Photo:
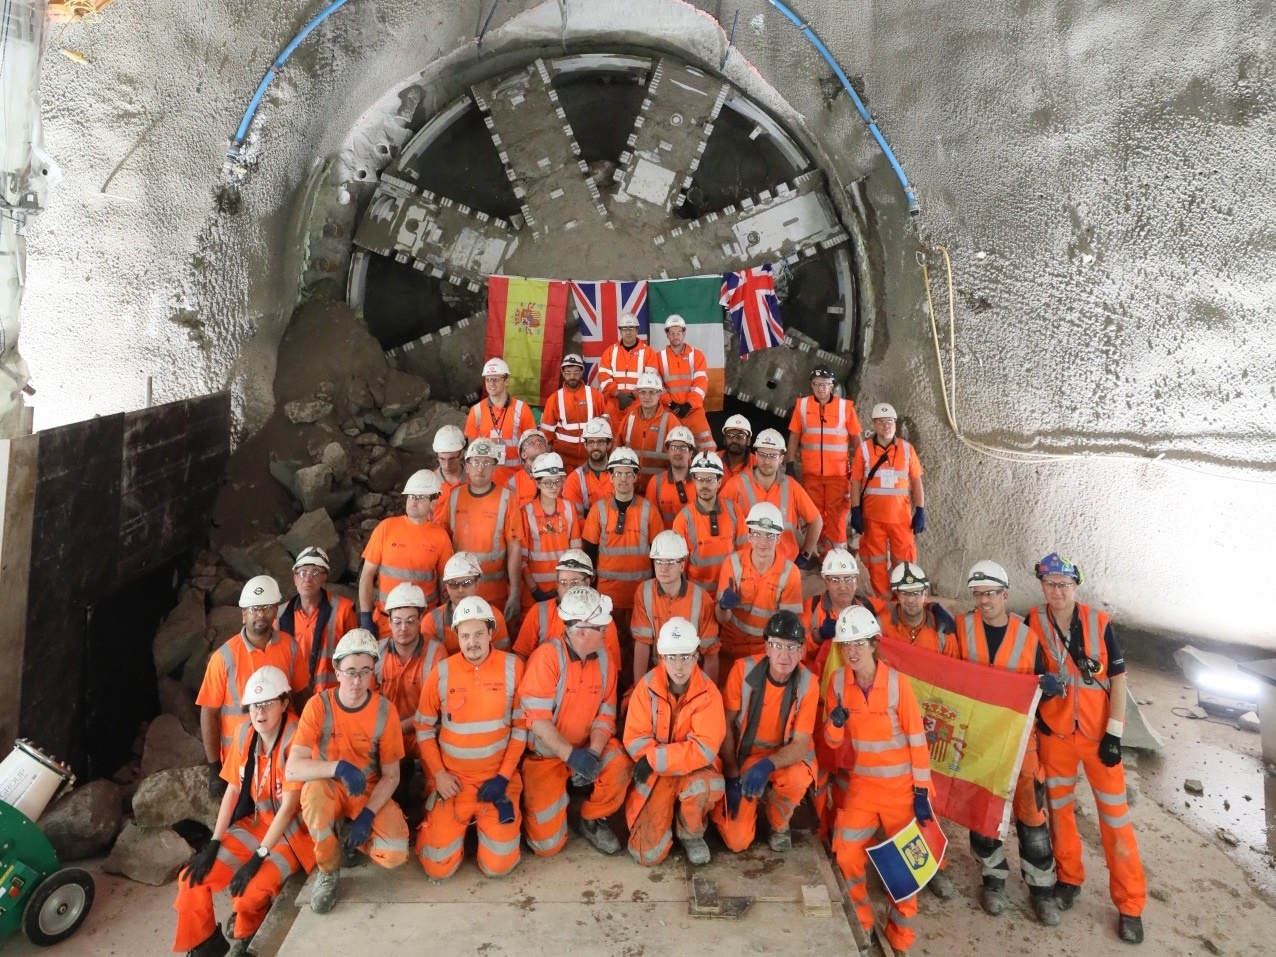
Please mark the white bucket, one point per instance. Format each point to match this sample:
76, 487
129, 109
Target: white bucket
29, 780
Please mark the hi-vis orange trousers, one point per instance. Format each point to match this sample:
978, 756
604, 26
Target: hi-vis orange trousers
784, 793
325, 802
545, 796
440, 842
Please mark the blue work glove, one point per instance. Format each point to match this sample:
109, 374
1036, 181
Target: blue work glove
919, 519
247, 871
351, 777
805, 560
493, 789
504, 810
543, 594
733, 797
642, 770
1110, 750
729, 598
201, 863
828, 628
584, 764
755, 779
360, 830
857, 519
1050, 685
921, 806
366, 622
838, 716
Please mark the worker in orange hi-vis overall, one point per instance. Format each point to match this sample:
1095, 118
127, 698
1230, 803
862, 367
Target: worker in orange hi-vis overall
449, 445
592, 481
888, 505
567, 411
568, 698
460, 581
671, 489
522, 484
1081, 729
616, 375
411, 547
483, 520
258, 841
672, 595
873, 705
768, 758
710, 524
550, 527
646, 428
752, 586
686, 376
824, 433
346, 756
501, 418
766, 482
912, 619
545, 621
673, 731
471, 735
315, 617
737, 435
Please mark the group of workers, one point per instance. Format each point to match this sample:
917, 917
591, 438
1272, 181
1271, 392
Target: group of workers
563, 613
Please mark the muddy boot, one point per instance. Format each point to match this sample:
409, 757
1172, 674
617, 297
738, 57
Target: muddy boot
599, 834
1065, 895
941, 886
239, 947
697, 850
215, 946
992, 897
781, 841
1047, 909
323, 896
1130, 929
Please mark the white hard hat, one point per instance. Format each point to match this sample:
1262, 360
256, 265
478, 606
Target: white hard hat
738, 422
265, 684
529, 435
357, 641
907, 576
572, 359
262, 590
449, 439
675, 320
423, 482
765, 517
584, 604
312, 555
668, 545
770, 440
473, 608
462, 565
987, 573
495, 367
839, 562
856, 622
708, 462
627, 320
404, 595
597, 428
574, 560
884, 410
547, 465
650, 380
677, 637
622, 456
484, 448
680, 433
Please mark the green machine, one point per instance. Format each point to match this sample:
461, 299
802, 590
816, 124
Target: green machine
49, 902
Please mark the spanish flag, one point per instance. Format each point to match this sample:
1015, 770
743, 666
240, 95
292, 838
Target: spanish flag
907, 861
525, 322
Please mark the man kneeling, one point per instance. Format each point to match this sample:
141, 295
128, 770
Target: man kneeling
770, 702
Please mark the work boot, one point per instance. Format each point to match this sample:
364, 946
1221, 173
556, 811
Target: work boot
599, 834
239, 947
1130, 929
215, 946
992, 897
697, 850
1047, 909
781, 841
323, 896
1065, 895
941, 886
350, 856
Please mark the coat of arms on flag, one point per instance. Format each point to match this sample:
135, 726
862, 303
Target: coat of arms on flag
599, 306
749, 296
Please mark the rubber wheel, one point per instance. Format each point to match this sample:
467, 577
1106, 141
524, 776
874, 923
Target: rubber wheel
58, 907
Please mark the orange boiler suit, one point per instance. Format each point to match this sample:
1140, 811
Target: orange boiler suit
488, 526
404, 551
617, 372
827, 434
786, 495
762, 594
652, 608
686, 378
935, 633
711, 537
231, 666
544, 538
400, 681
584, 487
646, 435
330, 623
564, 418
623, 563
887, 504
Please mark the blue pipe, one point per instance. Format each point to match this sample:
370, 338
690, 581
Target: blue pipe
242, 133
914, 209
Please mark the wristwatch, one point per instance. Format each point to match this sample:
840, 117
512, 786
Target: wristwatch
263, 852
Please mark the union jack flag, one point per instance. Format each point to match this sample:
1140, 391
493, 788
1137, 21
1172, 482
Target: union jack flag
598, 306
749, 296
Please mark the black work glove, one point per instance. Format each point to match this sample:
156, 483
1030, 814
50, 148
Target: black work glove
624, 400
367, 622
681, 409
247, 871
543, 594
734, 793
838, 716
790, 469
828, 628
216, 785
804, 561
1050, 685
1110, 750
642, 770
201, 864
493, 789
584, 764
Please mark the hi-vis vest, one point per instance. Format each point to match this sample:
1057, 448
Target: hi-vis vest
1084, 705
824, 444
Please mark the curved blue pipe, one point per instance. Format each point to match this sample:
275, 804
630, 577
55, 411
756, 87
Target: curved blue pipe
242, 133
913, 208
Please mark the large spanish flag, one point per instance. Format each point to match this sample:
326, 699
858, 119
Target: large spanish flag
978, 724
696, 300
525, 322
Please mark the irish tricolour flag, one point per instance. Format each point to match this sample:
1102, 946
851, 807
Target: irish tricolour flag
525, 320
696, 300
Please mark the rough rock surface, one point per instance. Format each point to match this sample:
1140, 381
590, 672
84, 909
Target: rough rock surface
149, 855
86, 821
181, 634
313, 528
178, 700
169, 745
180, 794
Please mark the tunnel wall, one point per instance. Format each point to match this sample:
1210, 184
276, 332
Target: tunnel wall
1096, 169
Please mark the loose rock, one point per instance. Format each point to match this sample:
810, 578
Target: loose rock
86, 821
403, 393
337, 458
178, 700
169, 745
284, 471
179, 794
1249, 722
226, 592
385, 473
313, 528
224, 623
181, 635
1227, 837
312, 485
148, 855
368, 500
1193, 786
307, 412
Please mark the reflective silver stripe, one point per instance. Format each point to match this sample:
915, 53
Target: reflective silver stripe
1113, 800
550, 842
498, 847
1021, 640
390, 844
540, 704
454, 751
439, 855
652, 856
917, 740
1064, 801
856, 834
547, 814
476, 727
637, 744
974, 649
750, 492
373, 765
901, 492
1062, 782
1119, 821
876, 747
886, 771
835, 439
